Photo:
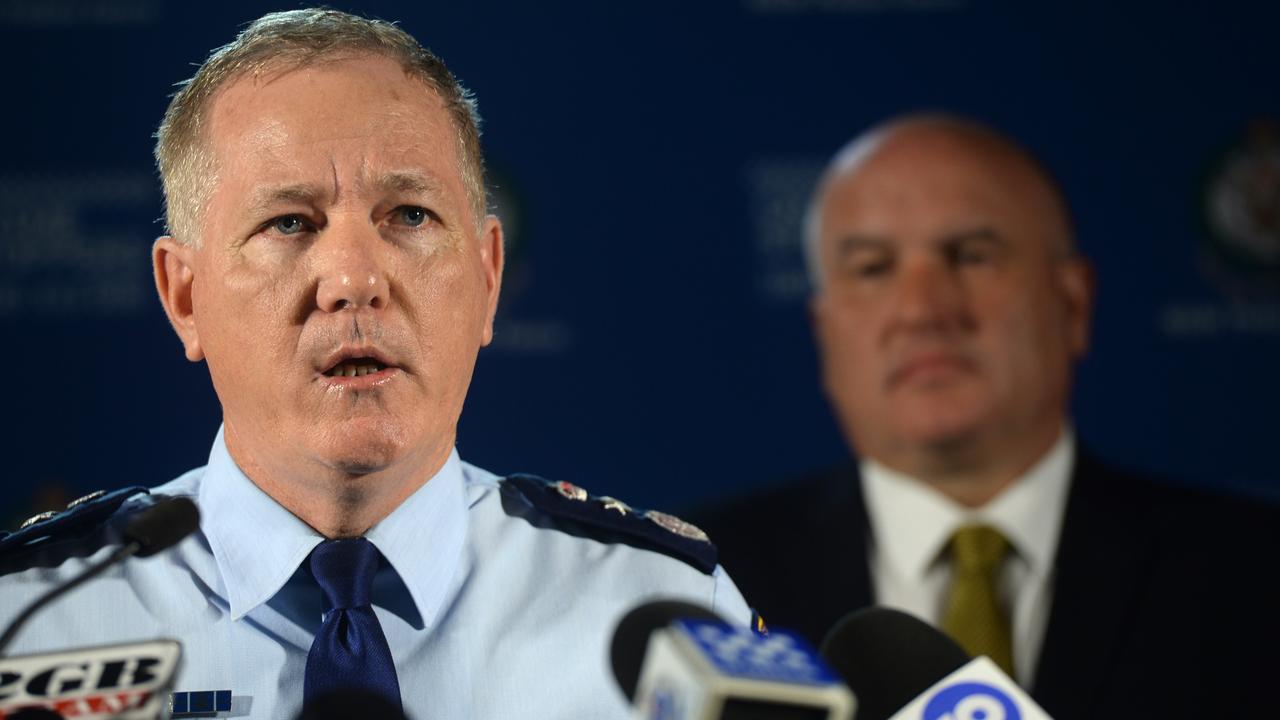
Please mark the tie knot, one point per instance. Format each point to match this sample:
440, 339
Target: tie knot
978, 548
344, 569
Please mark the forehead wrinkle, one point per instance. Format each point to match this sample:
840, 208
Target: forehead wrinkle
264, 198
983, 232
410, 181
276, 138
853, 242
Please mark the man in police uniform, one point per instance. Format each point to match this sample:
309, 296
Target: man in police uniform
331, 259
949, 305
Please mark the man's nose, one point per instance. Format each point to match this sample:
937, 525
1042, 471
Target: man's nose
352, 268
929, 295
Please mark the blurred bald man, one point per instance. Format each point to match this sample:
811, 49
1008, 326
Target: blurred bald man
949, 305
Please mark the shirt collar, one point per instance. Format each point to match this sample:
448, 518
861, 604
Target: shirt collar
912, 522
234, 512
421, 539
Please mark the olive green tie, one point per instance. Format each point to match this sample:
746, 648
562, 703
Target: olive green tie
972, 614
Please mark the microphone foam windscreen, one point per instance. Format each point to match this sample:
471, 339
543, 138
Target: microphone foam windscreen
631, 636
888, 658
163, 525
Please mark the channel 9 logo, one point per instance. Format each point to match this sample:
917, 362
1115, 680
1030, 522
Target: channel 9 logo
971, 701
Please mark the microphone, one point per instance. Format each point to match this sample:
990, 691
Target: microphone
631, 637
679, 661
162, 525
109, 682
154, 529
889, 657
901, 667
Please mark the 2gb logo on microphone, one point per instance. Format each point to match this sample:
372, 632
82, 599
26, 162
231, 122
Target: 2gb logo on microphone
971, 701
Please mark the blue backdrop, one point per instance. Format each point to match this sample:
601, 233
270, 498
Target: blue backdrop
651, 160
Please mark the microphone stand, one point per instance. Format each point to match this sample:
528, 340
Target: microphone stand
123, 553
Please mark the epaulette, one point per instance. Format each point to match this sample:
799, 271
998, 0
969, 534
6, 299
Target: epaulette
616, 520
80, 518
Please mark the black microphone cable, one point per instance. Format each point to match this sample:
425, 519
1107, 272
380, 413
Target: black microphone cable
157, 528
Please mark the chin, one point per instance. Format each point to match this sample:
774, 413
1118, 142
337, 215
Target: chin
359, 466
362, 453
940, 427
364, 461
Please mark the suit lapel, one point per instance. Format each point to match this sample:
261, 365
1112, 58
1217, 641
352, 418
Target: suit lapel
856, 587
838, 520
1099, 561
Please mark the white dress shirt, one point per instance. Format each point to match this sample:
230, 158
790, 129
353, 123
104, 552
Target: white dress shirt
911, 523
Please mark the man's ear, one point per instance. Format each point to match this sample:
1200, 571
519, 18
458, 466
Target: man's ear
174, 267
1077, 282
818, 314
492, 257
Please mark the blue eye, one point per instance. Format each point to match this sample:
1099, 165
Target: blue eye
288, 225
412, 216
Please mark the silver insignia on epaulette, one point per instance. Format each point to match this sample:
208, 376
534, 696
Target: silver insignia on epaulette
87, 498
677, 526
40, 517
570, 491
611, 503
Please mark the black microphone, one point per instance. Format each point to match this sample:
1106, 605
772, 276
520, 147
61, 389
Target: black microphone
154, 529
889, 658
162, 525
681, 661
901, 667
630, 642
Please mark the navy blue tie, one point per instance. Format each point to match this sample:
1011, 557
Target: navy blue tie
350, 652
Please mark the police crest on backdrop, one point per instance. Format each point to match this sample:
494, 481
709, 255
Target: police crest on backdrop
1242, 204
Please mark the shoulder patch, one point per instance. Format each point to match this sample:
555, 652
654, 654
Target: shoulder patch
80, 518
599, 516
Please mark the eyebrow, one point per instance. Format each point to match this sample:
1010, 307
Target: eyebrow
266, 198
849, 244
410, 182
263, 200
988, 234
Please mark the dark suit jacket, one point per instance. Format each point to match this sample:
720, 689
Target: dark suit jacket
1165, 601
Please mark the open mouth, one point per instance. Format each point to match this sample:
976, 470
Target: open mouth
355, 367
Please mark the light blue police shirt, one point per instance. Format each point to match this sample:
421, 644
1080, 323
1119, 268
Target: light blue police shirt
486, 614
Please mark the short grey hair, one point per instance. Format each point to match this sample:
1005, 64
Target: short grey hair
295, 39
